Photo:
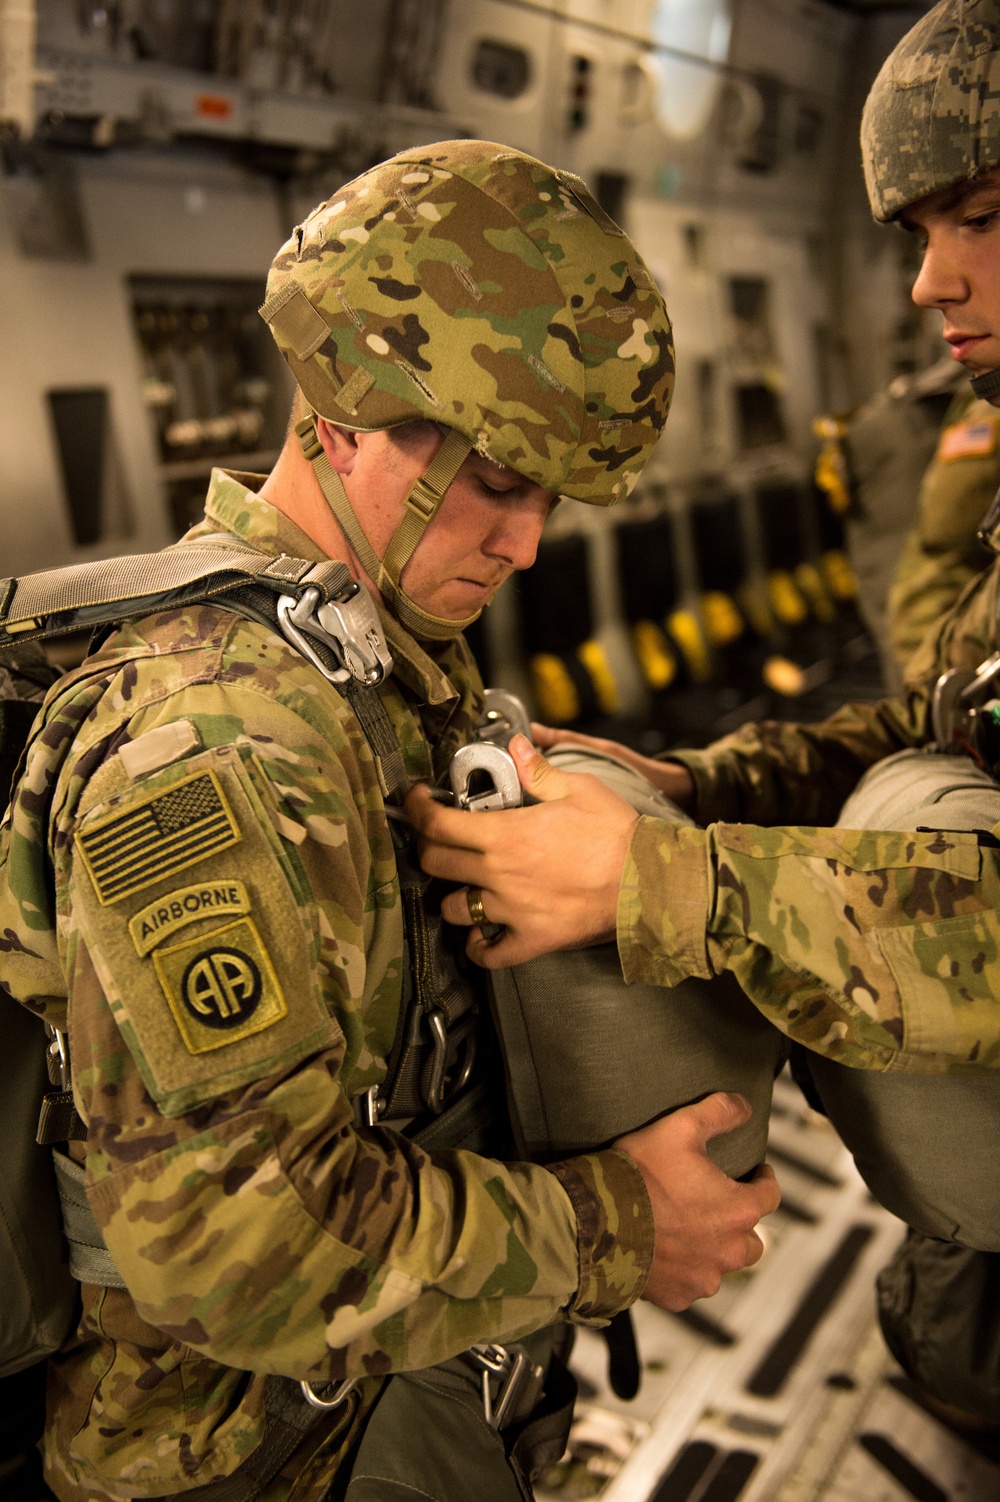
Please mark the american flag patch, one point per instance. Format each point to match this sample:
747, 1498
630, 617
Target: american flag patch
968, 440
127, 851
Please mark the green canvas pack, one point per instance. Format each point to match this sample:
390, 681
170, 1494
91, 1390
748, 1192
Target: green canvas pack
589, 1058
924, 1144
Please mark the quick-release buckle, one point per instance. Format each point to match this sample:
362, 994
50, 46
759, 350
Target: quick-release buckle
518, 1382
350, 626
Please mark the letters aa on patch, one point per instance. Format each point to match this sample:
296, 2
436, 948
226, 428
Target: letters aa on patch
220, 986
146, 841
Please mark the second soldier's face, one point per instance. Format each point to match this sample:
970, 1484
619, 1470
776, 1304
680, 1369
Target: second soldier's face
489, 524
960, 274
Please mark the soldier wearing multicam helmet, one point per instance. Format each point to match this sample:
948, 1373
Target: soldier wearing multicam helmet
256, 994
874, 943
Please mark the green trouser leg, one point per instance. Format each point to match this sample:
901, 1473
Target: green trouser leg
939, 1306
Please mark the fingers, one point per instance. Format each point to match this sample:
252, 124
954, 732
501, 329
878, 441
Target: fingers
545, 737
754, 1250
766, 1191
439, 824
542, 780
500, 953
717, 1114
455, 907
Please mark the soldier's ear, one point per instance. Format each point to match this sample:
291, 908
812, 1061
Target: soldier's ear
339, 444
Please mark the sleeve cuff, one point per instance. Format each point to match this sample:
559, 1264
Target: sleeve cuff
663, 905
614, 1232
706, 805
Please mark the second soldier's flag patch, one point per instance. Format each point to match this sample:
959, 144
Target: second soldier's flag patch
968, 440
144, 842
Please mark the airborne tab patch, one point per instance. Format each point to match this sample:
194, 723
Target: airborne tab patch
167, 914
221, 986
144, 842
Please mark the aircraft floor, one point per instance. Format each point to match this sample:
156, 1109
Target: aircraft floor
778, 1389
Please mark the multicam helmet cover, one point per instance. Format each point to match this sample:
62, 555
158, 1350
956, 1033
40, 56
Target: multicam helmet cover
932, 118
471, 284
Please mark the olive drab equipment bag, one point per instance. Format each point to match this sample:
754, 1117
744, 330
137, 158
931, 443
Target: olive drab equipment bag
924, 1144
589, 1058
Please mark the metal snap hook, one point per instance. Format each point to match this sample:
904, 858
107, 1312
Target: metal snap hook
482, 761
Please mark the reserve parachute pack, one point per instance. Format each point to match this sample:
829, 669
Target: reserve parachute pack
924, 1144
590, 1058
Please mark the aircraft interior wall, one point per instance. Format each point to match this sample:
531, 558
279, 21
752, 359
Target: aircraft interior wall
177, 143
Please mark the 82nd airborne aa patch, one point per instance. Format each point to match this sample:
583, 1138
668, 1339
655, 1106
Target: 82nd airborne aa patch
144, 842
220, 986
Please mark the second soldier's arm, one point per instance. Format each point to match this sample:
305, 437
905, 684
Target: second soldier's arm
877, 949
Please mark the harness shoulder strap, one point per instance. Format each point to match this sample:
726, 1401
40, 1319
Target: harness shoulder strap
319, 608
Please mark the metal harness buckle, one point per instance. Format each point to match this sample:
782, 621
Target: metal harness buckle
519, 1382
350, 626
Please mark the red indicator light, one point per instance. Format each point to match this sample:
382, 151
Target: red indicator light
214, 106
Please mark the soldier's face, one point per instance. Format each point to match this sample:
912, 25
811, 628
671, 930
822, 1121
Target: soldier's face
488, 524
960, 274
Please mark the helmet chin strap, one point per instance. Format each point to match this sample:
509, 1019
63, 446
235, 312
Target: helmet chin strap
421, 506
987, 385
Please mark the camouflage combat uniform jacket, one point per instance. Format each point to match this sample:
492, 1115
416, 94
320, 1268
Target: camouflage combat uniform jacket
878, 949
200, 866
943, 551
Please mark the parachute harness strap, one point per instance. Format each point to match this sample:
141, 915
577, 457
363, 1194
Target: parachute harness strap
422, 505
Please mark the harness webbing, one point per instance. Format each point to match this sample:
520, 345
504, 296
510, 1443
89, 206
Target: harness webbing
421, 506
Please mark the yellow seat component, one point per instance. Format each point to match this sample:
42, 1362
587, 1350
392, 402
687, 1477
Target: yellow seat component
753, 603
831, 472
652, 649
555, 692
839, 575
813, 586
594, 659
723, 622
686, 631
785, 598
785, 677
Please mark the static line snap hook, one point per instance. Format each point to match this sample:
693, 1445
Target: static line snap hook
480, 763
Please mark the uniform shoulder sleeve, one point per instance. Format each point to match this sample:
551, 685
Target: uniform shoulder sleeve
197, 915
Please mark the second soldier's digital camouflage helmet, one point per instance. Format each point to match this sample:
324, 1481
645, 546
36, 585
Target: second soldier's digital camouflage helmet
471, 284
932, 118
